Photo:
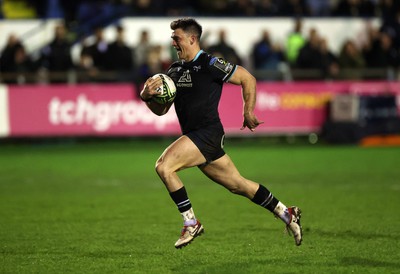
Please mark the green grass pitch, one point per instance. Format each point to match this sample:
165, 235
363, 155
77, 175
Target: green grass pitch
100, 208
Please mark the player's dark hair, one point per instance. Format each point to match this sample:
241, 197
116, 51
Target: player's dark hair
188, 25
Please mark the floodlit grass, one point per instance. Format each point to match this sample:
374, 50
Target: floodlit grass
100, 208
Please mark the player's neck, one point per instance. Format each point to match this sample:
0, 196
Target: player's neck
192, 55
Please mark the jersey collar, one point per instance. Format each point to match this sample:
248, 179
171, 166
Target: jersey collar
195, 58
197, 55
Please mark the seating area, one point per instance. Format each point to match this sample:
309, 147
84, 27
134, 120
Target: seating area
88, 43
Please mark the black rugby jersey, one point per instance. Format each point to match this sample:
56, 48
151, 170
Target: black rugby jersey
199, 86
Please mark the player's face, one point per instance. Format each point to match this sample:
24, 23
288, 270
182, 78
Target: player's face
182, 43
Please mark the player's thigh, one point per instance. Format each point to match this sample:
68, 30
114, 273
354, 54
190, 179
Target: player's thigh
182, 153
224, 172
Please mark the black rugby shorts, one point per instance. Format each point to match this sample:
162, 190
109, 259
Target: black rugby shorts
210, 141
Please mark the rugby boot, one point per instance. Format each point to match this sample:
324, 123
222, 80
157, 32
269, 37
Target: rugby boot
294, 226
189, 232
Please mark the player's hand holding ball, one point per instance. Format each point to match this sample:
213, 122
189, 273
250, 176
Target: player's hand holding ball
159, 88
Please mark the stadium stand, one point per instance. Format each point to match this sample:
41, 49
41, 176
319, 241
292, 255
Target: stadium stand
305, 55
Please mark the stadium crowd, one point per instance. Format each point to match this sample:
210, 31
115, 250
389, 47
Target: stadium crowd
304, 55
75, 10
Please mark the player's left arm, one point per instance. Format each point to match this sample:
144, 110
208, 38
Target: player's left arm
248, 82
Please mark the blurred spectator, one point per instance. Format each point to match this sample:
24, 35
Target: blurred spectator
355, 8
179, 8
223, 49
155, 63
293, 8
266, 8
142, 48
205, 7
369, 44
15, 64
70, 9
315, 59
265, 55
94, 13
21, 9
294, 43
392, 26
24, 65
151, 65
103, 11
141, 51
120, 56
87, 72
319, 7
216, 7
148, 59
94, 59
41, 7
7, 59
56, 57
98, 51
147, 7
310, 54
388, 9
351, 61
329, 61
379, 53
241, 8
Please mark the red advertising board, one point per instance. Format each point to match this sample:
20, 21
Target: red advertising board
83, 110
115, 110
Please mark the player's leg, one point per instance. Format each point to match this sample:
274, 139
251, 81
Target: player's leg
181, 154
224, 172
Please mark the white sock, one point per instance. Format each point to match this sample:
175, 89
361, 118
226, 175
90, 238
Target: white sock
188, 217
282, 212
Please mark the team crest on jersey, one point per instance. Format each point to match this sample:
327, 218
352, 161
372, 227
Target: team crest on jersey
185, 80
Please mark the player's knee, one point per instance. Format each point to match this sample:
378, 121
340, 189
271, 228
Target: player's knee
161, 169
158, 167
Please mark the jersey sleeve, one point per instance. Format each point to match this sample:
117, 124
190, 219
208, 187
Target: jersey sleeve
220, 68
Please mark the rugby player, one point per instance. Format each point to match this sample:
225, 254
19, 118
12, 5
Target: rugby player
199, 78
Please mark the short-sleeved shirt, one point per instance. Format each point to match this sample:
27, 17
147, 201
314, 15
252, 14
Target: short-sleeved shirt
199, 86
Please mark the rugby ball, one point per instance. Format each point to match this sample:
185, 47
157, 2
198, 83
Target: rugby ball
167, 89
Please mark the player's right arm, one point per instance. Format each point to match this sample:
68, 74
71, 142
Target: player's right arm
242, 77
148, 91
